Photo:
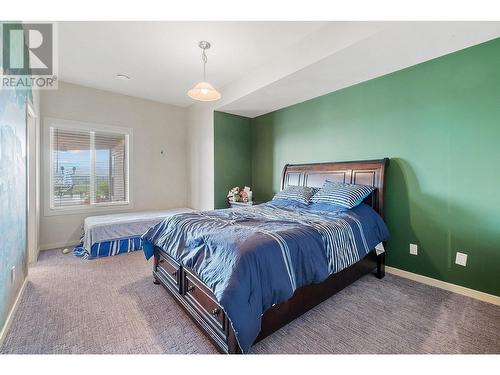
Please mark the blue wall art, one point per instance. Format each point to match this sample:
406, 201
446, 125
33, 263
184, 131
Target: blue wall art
13, 185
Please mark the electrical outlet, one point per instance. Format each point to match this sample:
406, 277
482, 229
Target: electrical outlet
413, 249
12, 274
461, 259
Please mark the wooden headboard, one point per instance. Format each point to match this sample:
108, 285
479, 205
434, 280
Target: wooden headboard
365, 172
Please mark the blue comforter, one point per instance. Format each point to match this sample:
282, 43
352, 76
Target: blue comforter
252, 258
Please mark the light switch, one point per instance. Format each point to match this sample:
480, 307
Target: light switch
413, 249
461, 259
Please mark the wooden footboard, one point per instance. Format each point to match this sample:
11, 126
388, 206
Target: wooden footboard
202, 306
197, 300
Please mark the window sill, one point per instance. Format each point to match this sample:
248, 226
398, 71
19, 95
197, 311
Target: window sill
104, 209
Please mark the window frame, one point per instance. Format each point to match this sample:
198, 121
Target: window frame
57, 123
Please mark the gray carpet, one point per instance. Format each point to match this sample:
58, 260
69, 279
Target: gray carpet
110, 305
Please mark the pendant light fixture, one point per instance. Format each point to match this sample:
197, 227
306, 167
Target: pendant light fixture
204, 91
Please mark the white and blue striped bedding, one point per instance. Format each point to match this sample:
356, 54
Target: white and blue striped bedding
109, 248
114, 234
256, 257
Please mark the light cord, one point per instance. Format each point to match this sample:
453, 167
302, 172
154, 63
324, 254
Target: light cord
205, 59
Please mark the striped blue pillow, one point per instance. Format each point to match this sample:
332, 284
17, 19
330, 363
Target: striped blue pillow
345, 195
300, 194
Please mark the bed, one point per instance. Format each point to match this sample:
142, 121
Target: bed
243, 273
114, 234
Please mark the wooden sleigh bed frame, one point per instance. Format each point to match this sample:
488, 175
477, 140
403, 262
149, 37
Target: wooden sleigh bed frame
201, 304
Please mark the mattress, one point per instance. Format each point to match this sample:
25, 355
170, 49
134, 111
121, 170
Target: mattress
117, 233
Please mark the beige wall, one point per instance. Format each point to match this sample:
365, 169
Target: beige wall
201, 156
158, 181
33, 163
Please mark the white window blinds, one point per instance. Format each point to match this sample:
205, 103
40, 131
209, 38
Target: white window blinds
88, 168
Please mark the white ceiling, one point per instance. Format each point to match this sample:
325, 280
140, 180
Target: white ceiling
258, 66
388, 48
163, 58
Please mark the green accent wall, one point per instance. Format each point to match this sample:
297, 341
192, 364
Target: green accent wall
232, 155
439, 122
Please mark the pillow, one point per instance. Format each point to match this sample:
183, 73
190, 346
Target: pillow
300, 194
345, 195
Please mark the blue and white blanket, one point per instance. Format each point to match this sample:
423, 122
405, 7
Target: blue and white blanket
255, 257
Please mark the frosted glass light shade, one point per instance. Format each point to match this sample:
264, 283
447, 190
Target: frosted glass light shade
204, 92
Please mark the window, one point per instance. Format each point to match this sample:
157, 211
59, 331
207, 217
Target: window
88, 167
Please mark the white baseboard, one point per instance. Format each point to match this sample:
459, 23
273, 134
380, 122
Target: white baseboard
485, 297
58, 245
13, 310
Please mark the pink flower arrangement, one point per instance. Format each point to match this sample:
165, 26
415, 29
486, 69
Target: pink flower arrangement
238, 194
